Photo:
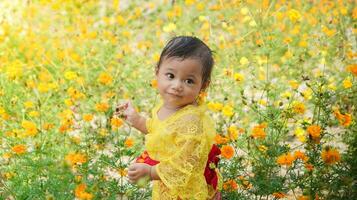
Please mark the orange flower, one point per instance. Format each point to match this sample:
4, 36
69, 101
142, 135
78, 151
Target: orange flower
76, 158
80, 192
101, 107
230, 185
330, 156
314, 131
116, 122
105, 78
19, 149
220, 140
353, 69
129, 142
344, 119
309, 167
87, 117
154, 83
258, 131
285, 159
300, 155
279, 195
227, 151
303, 197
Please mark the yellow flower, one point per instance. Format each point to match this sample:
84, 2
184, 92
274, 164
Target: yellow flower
105, 78
215, 106
227, 111
30, 128
34, 114
28, 104
233, 132
294, 84
347, 83
300, 134
70, 75
294, 15
244, 61
298, 107
170, 27
330, 156
244, 11
238, 77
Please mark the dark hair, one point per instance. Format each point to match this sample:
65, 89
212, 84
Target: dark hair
189, 47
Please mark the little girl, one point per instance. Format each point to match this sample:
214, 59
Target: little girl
180, 156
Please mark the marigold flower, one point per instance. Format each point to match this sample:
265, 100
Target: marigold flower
300, 155
227, 151
154, 83
279, 195
314, 131
330, 156
87, 117
101, 107
258, 131
116, 122
230, 185
129, 142
298, 107
303, 197
309, 167
285, 159
220, 140
105, 78
344, 119
353, 69
76, 158
294, 15
80, 192
347, 83
19, 149
30, 128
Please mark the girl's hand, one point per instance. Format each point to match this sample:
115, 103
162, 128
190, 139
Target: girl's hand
138, 170
128, 111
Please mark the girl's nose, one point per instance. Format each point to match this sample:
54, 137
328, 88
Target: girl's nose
177, 85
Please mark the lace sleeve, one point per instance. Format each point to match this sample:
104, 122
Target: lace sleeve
189, 157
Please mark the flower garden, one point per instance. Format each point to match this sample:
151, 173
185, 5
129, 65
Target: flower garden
283, 94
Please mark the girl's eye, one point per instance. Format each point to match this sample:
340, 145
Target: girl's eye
169, 75
189, 81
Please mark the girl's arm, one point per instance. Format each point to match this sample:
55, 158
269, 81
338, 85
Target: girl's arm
140, 124
132, 117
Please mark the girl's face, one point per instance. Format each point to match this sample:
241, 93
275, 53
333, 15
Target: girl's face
179, 81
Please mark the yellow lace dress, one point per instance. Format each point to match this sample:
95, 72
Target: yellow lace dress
181, 143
